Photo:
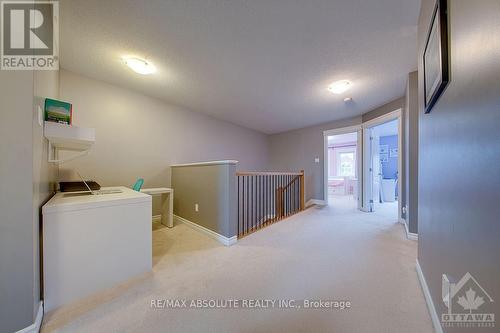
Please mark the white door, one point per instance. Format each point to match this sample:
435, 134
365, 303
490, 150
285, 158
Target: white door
371, 178
376, 171
359, 171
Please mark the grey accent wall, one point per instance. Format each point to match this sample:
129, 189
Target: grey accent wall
213, 188
459, 155
140, 136
296, 150
411, 153
16, 212
27, 183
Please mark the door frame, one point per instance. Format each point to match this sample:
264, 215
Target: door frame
366, 156
359, 163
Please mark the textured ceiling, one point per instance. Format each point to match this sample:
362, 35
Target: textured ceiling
262, 64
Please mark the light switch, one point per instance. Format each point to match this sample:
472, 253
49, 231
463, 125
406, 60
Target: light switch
196, 208
316, 160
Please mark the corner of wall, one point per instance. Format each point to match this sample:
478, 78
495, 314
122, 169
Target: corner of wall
46, 84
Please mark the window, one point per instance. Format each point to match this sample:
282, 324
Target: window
347, 164
342, 161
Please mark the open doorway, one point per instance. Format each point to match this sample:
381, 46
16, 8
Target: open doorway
342, 167
383, 168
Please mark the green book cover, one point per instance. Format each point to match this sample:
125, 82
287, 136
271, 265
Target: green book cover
58, 111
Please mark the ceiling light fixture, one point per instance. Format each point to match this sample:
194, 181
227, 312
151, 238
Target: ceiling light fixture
339, 87
348, 99
140, 66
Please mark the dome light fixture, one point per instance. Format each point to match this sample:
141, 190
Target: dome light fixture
340, 87
140, 66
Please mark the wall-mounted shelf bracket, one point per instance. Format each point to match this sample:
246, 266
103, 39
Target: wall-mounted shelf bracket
71, 138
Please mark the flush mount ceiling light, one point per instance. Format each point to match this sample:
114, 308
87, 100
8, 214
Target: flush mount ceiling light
340, 86
140, 66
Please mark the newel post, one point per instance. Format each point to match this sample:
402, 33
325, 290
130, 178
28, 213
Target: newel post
302, 192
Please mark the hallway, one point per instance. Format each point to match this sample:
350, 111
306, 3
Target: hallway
322, 253
342, 204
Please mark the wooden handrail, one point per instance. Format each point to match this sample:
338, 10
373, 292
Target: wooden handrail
291, 182
267, 173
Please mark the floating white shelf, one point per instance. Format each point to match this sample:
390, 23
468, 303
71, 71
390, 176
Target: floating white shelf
65, 137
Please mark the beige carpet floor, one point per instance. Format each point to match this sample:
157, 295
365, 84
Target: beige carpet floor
333, 252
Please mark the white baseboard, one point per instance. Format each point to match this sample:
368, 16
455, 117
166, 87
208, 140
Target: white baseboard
210, 233
410, 235
318, 202
156, 219
428, 299
365, 209
35, 327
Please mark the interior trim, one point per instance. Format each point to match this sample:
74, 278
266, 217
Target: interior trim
318, 202
227, 241
428, 299
409, 235
35, 327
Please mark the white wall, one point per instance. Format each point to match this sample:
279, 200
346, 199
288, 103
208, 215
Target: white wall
140, 136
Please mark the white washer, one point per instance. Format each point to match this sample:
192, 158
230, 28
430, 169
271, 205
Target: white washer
93, 242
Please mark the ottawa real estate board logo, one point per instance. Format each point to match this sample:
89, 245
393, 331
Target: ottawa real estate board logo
30, 35
469, 305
